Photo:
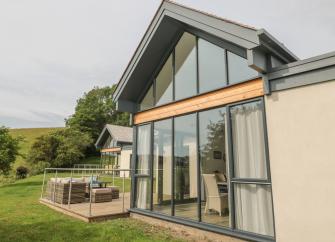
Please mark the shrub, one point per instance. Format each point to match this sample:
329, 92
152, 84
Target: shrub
61, 148
9, 150
21, 172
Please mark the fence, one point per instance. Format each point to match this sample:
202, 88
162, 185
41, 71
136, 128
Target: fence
87, 192
85, 169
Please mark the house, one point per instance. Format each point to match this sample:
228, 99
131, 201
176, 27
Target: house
233, 134
115, 144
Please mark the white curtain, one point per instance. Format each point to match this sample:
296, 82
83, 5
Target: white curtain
142, 193
143, 154
248, 141
143, 149
253, 202
253, 207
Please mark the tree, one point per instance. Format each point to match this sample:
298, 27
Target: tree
61, 148
9, 150
95, 109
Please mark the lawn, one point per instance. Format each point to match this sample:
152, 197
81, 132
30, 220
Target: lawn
23, 218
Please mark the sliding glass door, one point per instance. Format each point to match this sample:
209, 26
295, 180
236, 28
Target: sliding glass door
213, 164
210, 167
185, 167
162, 166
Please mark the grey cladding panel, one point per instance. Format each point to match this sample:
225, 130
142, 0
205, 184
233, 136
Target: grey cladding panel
303, 79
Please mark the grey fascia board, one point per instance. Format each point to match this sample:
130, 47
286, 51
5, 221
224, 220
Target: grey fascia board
303, 66
276, 46
220, 33
169, 9
328, 56
207, 21
303, 79
138, 52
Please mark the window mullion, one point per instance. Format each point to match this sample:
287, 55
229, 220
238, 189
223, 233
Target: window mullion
151, 172
231, 168
197, 62
198, 168
172, 170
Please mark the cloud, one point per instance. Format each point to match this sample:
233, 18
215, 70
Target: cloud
51, 52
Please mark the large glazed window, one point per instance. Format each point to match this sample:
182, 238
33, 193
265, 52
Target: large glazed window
142, 172
212, 66
253, 208
213, 163
143, 149
148, 100
185, 167
248, 141
251, 184
193, 67
162, 165
185, 67
209, 167
238, 69
164, 83
143, 193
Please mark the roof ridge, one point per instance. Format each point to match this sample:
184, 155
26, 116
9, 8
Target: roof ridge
212, 15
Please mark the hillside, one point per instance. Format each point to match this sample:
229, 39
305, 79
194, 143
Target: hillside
30, 135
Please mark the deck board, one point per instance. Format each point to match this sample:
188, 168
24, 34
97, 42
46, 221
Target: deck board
99, 211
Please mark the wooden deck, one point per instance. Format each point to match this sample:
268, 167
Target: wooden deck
99, 211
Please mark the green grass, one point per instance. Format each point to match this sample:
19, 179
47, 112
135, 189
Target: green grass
23, 219
91, 160
29, 135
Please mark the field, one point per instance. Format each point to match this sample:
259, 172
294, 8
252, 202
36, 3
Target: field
29, 135
23, 219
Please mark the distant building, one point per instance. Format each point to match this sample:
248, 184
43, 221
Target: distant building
115, 144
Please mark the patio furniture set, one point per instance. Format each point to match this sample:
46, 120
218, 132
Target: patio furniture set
58, 190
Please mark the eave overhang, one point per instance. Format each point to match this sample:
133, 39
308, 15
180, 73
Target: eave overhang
169, 22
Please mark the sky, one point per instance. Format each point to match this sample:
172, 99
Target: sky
51, 52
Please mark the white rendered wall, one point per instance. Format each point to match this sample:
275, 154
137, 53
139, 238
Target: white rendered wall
301, 134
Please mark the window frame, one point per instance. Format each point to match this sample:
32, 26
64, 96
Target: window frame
255, 181
232, 230
171, 51
135, 174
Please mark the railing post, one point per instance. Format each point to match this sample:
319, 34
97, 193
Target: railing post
123, 189
113, 175
70, 190
55, 182
91, 184
43, 183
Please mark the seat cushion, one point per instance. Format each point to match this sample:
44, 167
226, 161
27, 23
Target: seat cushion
102, 190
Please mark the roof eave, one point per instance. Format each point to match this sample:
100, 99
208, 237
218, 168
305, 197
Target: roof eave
269, 42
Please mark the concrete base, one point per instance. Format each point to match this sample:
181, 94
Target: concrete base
186, 232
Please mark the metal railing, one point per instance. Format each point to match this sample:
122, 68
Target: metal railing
88, 192
86, 168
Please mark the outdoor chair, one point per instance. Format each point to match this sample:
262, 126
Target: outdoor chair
214, 200
101, 195
105, 194
58, 190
